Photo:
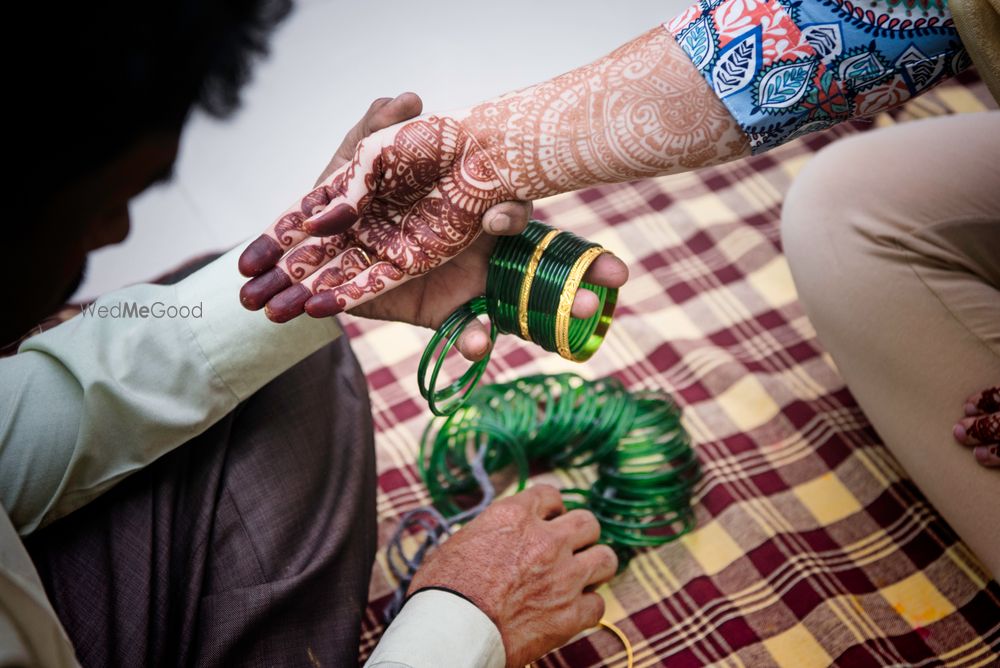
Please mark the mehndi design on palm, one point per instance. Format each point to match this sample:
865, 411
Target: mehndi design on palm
417, 190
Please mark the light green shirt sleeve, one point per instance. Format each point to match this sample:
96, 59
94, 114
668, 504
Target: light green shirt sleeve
437, 628
96, 398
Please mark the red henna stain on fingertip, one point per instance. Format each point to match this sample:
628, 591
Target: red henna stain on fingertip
287, 304
262, 254
331, 221
257, 291
323, 305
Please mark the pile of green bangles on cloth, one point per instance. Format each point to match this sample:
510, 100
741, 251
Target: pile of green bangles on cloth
644, 464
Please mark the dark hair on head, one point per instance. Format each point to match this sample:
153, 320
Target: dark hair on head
97, 76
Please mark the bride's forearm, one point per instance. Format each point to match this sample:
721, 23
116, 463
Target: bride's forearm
642, 110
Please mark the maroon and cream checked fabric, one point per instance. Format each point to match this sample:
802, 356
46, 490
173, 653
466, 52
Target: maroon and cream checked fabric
813, 547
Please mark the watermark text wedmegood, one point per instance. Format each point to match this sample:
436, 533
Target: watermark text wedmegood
157, 310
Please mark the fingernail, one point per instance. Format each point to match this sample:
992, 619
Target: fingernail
287, 304
959, 432
971, 409
478, 345
257, 291
331, 221
262, 254
323, 305
987, 455
500, 223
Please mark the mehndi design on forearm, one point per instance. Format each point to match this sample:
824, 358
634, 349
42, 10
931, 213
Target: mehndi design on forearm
641, 111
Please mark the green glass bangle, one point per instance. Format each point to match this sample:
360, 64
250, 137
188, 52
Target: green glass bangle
445, 338
531, 282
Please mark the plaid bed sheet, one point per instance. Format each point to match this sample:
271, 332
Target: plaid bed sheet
813, 548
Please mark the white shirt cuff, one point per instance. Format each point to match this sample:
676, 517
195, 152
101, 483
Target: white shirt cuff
437, 628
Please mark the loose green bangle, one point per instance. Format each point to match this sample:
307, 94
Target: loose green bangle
445, 337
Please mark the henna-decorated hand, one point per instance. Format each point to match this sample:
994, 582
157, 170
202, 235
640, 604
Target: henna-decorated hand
531, 567
391, 207
981, 426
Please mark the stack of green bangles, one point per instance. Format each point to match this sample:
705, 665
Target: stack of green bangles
531, 283
646, 469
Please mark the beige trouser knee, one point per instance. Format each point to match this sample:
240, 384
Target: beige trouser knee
893, 238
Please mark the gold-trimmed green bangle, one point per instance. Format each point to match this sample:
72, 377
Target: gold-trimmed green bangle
529, 277
531, 283
589, 345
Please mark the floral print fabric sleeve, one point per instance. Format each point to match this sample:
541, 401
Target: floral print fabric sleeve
784, 68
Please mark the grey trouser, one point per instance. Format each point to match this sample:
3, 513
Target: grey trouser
250, 545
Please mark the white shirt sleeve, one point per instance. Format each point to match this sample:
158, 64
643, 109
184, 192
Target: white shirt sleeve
96, 398
437, 628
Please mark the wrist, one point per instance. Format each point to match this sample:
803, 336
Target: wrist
496, 129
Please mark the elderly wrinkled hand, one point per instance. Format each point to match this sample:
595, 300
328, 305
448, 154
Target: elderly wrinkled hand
531, 567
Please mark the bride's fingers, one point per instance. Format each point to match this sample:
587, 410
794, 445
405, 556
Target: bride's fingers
365, 286
290, 302
297, 264
356, 189
265, 251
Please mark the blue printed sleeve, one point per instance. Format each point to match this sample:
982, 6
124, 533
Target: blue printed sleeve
784, 68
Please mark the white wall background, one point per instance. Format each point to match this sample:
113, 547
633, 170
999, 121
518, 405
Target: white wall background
328, 61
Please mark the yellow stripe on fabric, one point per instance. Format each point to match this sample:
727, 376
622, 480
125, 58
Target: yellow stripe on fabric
917, 600
854, 618
985, 662
960, 555
724, 467
774, 283
792, 165
747, 404
827, 498
981, 648
394, 343
712, 547
707, 210
735, 246
656, 586
613, 609
757, 188
797, 648
960, 99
